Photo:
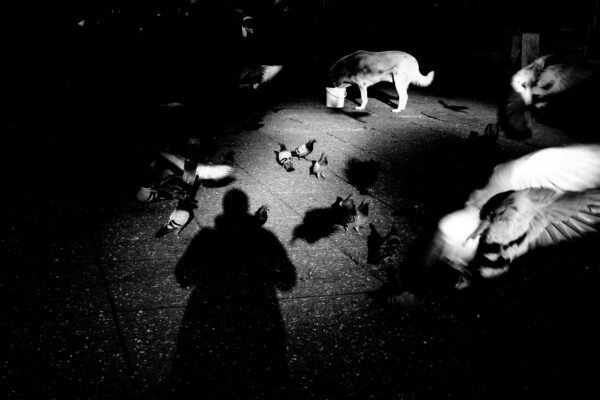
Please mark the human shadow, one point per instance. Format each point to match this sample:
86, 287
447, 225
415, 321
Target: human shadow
231, 341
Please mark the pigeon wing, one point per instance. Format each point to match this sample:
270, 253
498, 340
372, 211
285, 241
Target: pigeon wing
573, 215
568, 168
175, 159
213, 171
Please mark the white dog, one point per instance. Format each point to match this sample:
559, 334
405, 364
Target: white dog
366, 68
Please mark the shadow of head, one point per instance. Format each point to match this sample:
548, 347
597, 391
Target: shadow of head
236, 251
362, 174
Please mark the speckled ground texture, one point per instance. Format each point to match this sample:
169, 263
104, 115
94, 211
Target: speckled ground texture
92, 307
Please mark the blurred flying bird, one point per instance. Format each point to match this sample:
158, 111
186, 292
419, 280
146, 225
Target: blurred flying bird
149, 194
179, 218
255, 76
537, 200
553, 78
304, 150
452, 107
203, 171
262, 214
189, 172
284, 158
514, 222
318, 166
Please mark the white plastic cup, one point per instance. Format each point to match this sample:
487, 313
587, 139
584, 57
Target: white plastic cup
335, 97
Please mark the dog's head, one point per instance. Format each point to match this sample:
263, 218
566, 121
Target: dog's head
337, 76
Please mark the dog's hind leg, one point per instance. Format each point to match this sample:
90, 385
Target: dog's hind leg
402, 89
363, 97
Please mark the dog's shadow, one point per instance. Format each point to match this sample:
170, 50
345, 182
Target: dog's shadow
383, 97
352, 113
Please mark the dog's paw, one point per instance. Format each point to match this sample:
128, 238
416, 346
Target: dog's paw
360, 108
396, 110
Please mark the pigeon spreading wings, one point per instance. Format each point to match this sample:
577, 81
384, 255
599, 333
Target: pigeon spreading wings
541, 188
515, 222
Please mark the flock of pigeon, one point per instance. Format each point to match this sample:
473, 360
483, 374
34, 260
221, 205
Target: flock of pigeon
177, 177
542, 199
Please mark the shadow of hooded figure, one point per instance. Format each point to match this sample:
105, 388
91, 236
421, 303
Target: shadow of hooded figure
231, 342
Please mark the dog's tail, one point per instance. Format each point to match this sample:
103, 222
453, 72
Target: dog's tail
422, 80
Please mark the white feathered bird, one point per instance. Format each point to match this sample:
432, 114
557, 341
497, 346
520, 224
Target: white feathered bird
541, 199
256, 76
565, 169
203, 171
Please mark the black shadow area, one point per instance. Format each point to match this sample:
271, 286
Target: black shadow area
231, 342
318, 223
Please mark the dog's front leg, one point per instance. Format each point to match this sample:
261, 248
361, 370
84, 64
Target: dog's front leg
363, 97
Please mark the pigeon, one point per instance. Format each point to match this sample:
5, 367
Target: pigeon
284, 158
349, 215
150, 195
374, 242
546, 185
540, 199
262, 214
189, 172
452, 107
203, 171
551, 79
360, 217
489, 137
179, 218
318, 166
383, 249
514, 222
362, 174
304, 150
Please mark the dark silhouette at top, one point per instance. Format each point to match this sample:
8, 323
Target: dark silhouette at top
231, 341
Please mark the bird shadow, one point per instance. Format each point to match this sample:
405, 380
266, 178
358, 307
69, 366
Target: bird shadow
231, 340
362, 174
452, 107
318, 223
